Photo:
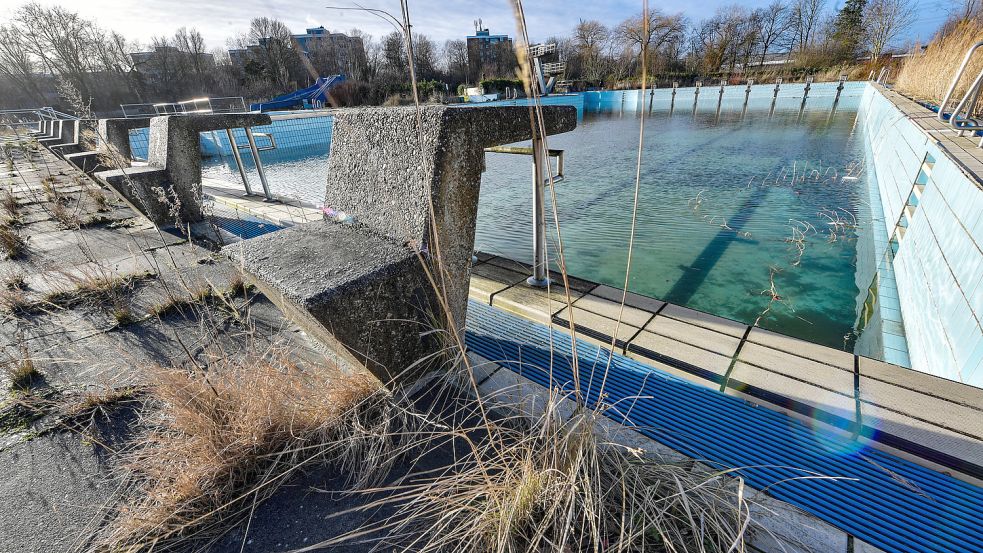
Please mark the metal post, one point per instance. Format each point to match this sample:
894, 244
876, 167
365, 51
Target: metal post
720, 99
696, 95
540, 163
839, 90
805, 96
747, 95
672, 100
774, 97
238, 158
259, 164
651, 99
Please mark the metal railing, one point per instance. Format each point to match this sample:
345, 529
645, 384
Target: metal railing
540, 270
225, 104
968, 102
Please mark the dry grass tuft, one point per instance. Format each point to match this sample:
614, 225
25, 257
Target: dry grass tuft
66, 217
10, 204
20, 371
927, 77
97, 288
226, 439
559, 484
11, 242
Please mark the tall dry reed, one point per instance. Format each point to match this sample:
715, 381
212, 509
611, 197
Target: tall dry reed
927, 76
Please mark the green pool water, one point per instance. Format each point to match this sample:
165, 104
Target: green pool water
717, 205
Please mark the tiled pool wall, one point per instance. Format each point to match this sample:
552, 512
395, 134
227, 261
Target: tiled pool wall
821, 96
933, 250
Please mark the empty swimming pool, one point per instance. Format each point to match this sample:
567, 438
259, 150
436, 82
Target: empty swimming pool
753, 215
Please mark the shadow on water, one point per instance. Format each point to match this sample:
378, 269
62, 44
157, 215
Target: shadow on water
695, 273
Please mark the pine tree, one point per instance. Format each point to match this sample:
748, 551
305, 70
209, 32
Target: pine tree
848, 30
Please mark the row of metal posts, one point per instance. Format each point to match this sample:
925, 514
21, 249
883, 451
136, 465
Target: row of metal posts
747, 96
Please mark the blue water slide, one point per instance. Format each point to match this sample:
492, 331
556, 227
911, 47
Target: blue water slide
318, 92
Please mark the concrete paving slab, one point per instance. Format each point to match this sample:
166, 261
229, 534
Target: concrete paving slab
802, 348
487, 280
577, 284
839, 379
922, 433
931, 385
638, 301
699, 336
815, 397
611, 309
698, 318
533, 303
52, 489
646, 342
960, 418
589, 325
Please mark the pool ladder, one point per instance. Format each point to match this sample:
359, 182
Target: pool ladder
962, 117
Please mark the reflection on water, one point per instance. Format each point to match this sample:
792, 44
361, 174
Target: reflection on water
747, 217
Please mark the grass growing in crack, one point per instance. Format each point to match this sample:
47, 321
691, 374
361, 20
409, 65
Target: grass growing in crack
94, 289
11, 206
230, 430
20, 371
13, 245
48, 186
100, 199
66, 217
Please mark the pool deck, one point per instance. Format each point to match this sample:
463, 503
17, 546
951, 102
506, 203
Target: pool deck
932, 421
282, 211
935, 422
964, 149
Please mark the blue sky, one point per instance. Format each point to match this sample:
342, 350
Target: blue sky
441, 19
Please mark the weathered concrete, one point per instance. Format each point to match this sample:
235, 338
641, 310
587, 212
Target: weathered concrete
168, 189
115, 135
389, 176
84, 139
350, 287
65, 132
410, 189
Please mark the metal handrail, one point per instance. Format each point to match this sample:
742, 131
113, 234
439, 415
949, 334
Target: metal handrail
973, 90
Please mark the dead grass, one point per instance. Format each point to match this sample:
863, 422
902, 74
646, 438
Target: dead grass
558, 482
94, 288
20, 371
11, 242
10, 204
65, 216
225, 439
927, 77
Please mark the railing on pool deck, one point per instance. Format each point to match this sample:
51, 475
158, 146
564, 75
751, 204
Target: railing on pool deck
966, 105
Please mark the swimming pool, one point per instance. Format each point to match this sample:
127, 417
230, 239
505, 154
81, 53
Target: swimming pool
753, 215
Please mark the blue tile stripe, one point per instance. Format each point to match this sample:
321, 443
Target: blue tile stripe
882, 499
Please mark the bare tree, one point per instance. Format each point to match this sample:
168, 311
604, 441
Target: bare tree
884, 20
589, 39
455, 57
16, 62
278, 56
807, 16
61, 40
775, 24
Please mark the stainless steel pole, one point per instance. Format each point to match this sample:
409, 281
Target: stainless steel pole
259, 164
238, 158
540, 163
